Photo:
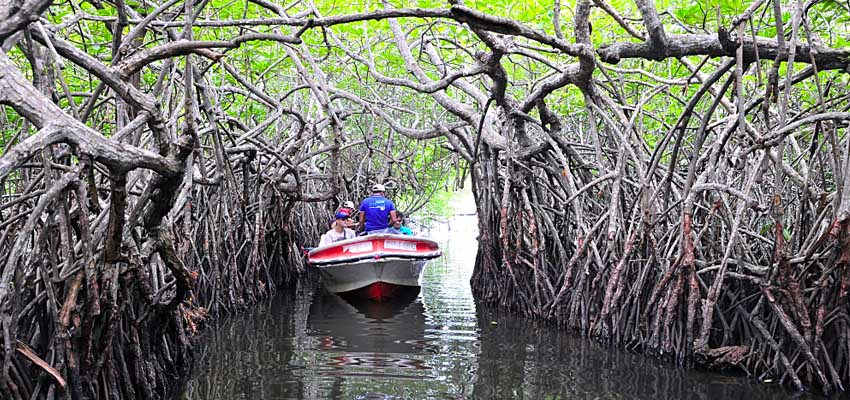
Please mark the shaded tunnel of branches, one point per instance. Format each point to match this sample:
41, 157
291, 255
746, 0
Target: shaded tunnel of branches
675, 189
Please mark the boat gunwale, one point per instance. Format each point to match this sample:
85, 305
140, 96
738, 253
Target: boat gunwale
377, 257
377, 254
373, 237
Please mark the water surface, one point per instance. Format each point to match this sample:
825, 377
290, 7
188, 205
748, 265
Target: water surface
435, 344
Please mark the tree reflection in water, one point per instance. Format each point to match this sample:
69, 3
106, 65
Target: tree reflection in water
533, 360
435, 344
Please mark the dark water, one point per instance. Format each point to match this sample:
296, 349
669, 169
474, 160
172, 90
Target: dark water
437, 344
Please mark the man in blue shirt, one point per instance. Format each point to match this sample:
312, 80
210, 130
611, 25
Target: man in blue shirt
374, 211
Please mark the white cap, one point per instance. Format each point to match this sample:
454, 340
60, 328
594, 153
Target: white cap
348, 204
378, 188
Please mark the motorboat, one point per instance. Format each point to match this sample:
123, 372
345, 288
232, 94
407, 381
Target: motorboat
373, 266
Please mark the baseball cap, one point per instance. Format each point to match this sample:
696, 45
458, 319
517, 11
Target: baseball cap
341, 215
378, 188
348, 204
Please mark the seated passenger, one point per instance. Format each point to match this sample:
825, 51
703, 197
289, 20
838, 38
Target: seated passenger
338, 231
374, 212
348, 208
399, 225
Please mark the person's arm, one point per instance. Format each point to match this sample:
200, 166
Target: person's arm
361, 222
324, 240
393, 218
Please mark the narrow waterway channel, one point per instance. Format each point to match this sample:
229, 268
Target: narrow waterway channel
436, 345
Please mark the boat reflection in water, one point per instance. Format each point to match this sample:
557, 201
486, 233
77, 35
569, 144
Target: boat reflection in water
368, 338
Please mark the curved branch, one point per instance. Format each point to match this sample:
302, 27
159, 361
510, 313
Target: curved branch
14, 17
57, 127
134, 63
711, 45
434, 132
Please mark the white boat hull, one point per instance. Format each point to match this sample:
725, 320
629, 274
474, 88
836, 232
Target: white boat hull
341, 278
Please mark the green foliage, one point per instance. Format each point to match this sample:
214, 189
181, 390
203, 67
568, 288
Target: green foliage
704, 12
266, 65
441, 204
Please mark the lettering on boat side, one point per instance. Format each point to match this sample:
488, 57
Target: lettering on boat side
399, 245
357, 247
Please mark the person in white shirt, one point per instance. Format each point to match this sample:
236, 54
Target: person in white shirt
338, 231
